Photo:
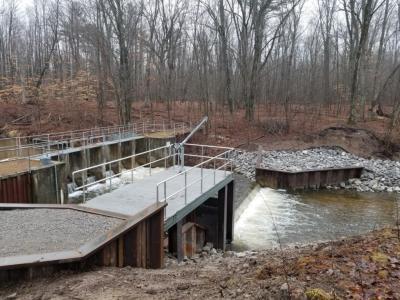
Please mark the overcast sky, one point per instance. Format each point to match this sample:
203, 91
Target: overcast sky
310, 9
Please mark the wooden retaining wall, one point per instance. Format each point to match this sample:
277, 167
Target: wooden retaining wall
310, 179
136, 242
16, 189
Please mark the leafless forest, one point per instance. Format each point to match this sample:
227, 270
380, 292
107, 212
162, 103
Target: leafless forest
340, 56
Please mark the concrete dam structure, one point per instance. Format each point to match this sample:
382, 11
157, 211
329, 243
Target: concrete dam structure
38, 169
183, 200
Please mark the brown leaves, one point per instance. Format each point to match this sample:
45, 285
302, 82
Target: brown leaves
359, 268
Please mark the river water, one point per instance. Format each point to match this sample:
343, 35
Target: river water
276, 216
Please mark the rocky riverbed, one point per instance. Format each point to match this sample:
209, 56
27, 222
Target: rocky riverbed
379, 175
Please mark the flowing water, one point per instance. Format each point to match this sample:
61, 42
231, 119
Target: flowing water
274, 217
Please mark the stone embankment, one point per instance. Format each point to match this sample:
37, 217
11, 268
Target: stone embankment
378, 176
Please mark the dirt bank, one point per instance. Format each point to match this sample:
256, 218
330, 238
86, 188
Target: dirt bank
362, 142
269, 129
364, 267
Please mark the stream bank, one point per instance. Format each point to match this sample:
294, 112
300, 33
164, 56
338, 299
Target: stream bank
362, 267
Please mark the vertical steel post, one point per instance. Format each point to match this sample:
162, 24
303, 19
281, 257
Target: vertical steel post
231, 160
165, 157
225, 165
186, 188
29, 160
56, 182
214, 171
165, 191
150, 163
109, 171
173, 157
201, 185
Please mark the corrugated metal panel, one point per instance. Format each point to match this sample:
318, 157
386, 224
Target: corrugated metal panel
16, 189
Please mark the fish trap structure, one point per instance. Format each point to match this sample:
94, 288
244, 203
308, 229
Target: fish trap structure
184, 205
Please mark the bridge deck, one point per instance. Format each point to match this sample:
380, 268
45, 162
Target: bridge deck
138, 195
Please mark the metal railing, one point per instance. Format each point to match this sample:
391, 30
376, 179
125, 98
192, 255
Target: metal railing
68, 137
54, 144
167, 150
169, 156
225, 157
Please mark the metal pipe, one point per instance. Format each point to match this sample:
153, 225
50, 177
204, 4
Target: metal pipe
185, 188
56, 179
165, 191
109, 170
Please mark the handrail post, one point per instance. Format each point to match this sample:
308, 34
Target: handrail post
165, 191
109, 170
131, 172
173, 157
214, 172
231, 160
150, 163
185, 187
201, 186
165, 157
225, 159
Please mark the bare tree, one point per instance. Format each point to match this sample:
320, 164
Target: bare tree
358, 18
326, 12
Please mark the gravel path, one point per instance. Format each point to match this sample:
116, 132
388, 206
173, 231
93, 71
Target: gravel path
33, 231
379, 175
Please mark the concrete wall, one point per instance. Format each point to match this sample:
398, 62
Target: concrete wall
43, 184
47, 184
148, 143
48, 181
94, 155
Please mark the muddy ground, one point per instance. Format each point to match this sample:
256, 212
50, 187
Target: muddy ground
366, 267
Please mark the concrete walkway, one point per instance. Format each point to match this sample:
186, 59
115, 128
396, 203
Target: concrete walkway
132, 198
